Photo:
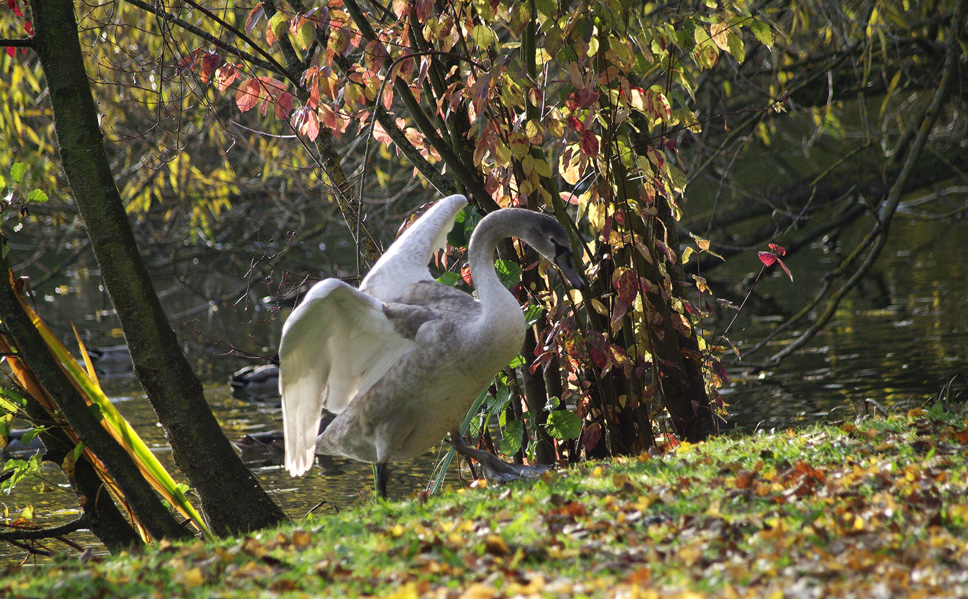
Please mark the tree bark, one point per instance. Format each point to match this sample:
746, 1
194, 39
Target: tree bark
152, 514
230, 495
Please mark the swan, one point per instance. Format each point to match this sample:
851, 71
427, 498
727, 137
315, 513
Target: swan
256, 382
401, 359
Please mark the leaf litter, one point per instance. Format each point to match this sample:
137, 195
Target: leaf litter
871, 509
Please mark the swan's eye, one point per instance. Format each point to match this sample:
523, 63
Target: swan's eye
562, 253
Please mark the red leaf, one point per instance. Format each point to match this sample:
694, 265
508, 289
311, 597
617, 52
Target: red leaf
666, 251
779, 250
767, 258
282, 105
626, 284
785, 269
306, 122
380, 134
225, 76
16, 10
210, 62
374, 55
188, 63
387, 96
254, 16
572, 101
29, 27
591, 436
425, 8
400, 8
719, 370
247, 95
589, 143
598, 349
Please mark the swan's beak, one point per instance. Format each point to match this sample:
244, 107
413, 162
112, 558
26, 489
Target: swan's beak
574, 279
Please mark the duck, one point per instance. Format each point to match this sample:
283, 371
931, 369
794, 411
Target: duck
401, 359
112, 360
268, 447
256, 382
13, 445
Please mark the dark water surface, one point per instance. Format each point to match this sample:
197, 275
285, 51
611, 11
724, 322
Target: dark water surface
897, 341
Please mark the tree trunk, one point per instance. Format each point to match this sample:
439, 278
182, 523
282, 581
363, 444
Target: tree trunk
152, 514
230, 495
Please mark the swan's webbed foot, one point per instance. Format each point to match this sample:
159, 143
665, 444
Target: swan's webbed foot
495, 468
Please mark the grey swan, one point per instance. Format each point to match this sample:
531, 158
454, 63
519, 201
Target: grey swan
401, 359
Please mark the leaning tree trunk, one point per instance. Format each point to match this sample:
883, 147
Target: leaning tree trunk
32, 349
231, 496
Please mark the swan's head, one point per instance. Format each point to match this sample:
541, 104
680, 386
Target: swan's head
549, 238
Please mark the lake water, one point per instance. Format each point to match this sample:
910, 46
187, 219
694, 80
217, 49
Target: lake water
897, 341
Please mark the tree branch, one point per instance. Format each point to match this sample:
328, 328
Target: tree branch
82, 523
890, 204
250, 58
27, 42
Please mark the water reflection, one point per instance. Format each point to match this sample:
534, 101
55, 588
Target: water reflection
896, 341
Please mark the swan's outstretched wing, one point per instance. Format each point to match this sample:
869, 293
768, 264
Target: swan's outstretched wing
405, 262
336, 344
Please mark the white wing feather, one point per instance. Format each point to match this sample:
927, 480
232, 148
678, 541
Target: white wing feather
335, 345
405, 262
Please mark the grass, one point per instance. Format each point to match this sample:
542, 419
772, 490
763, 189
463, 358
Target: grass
877, 508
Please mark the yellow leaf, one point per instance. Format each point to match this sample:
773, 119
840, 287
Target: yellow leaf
478, 591
193, 577
719, 33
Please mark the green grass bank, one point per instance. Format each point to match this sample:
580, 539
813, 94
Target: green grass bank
871, 509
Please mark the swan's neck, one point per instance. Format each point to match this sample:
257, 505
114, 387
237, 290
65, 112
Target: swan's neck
497, 303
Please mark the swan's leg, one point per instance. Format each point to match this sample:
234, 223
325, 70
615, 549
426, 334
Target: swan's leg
382, 475
494, 467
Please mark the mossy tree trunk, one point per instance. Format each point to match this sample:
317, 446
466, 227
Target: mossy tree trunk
139, 495
231, 496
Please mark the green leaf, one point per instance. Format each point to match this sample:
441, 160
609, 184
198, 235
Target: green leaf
11, 401
547, 8
513, 434
497, 403
736, 47
508, 272
763, 32
36, 196
532, 313
119, 428
305, 35
279, 24
5, 429
17, 172
30, 435
3, 182
449, 278
563, 424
